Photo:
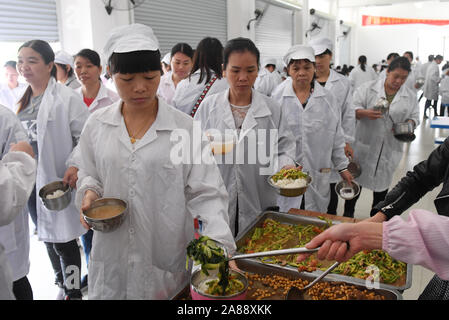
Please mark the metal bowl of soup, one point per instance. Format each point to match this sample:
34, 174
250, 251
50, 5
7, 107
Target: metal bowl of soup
106, 214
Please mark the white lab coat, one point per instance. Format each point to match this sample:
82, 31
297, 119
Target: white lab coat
104, 98
15, 236
265, 83
375, 144
340, 87
188, 91
72, 82
357, 76
423, 69
444, 90
9, 97
411, 79
17, 175
167, 88
60, 120
430, 87
320, 144
242, 177
279, 90
145, 257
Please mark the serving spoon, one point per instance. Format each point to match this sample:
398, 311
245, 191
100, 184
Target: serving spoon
298, 294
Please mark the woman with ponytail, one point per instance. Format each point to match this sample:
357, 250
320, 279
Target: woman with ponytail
361, 74
53, 116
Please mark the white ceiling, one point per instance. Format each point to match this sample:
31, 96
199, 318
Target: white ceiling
365, 3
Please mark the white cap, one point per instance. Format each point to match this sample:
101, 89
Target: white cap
63, 57
298, 52
129, 38
321, 45
166, 58
269, 61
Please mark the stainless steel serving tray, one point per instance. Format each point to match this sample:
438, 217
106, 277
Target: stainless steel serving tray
252, 266
304, 220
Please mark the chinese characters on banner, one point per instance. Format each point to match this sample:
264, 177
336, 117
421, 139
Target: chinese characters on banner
380, 21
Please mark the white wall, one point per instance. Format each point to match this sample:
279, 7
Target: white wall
239, 13
376, 42
86, 24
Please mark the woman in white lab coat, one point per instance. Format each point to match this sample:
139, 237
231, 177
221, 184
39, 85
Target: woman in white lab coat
64, 70
129, 151
361, 74
377, 150
15, 236
53, 116
340, 87
261, 132
181, 65
430, 89
316, 124
206, 71
96, 96
17, 176
88, 71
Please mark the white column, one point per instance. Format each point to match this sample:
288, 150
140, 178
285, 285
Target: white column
305, 19
86, 24
239, 13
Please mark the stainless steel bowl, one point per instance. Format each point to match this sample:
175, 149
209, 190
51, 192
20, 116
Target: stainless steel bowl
419, 82
56, 204
347, 191
106, 224
382, 105
199, 277
354, 168
290, 192
403, 131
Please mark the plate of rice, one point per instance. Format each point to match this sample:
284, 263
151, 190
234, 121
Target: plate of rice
290, 182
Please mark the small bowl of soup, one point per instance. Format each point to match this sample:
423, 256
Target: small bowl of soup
106, 214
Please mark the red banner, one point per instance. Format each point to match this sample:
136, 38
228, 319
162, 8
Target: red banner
382, 21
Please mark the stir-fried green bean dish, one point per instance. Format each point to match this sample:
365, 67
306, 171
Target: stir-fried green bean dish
274, 235
293, 173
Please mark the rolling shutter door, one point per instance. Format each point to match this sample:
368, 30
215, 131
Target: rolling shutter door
274, 31
23, 20
187, 21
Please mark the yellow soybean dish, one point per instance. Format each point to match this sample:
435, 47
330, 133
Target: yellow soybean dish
105, 212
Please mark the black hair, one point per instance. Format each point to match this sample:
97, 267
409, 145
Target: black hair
208, 56
90, 55
135, 62
67, 69
270, 65
46, 52
11, 64
439, 57
393, 55
430, 57
409, 53
182, 47
240, 45
325, 52
400, 62
362, 60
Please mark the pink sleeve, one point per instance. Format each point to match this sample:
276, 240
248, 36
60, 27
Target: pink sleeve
423, 239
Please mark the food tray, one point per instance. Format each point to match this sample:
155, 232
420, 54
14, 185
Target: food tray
305, 220
252, 266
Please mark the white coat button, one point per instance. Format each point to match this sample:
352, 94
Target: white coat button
132, 193
131, 230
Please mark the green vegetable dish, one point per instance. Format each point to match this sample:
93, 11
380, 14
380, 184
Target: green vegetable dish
289, 174
273, 235
204, 251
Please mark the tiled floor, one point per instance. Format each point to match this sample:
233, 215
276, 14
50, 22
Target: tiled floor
41, 274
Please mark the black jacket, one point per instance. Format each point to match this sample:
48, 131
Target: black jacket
425, 176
